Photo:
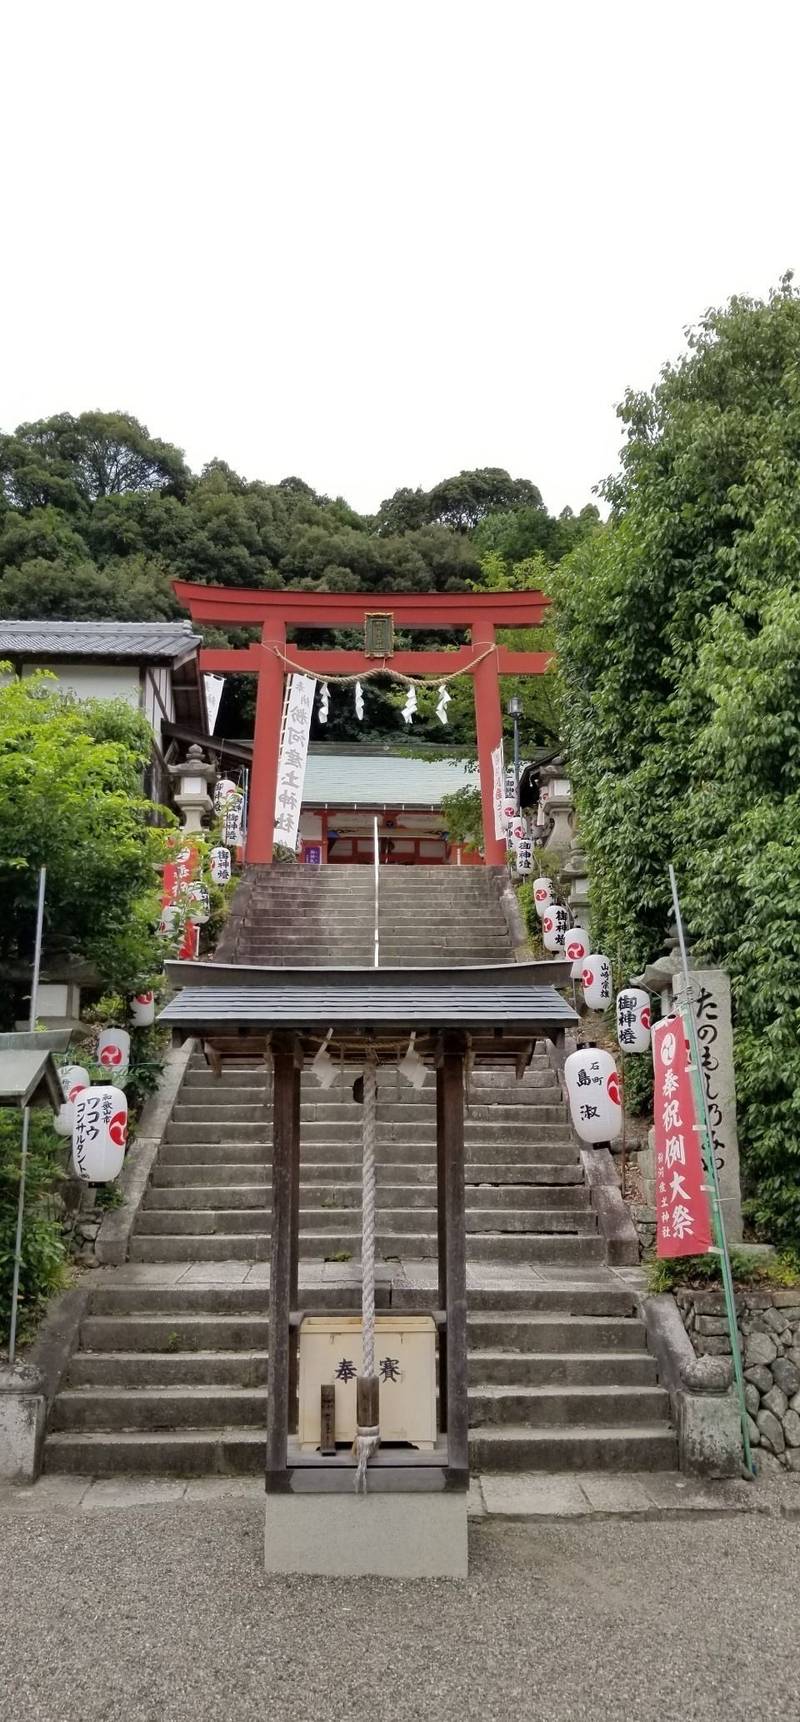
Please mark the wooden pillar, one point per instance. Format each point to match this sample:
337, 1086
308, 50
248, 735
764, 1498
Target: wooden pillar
489, 728
266, 744
283, 1250
450, 1156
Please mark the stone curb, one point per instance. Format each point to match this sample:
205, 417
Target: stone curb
113, 1238
613, 1218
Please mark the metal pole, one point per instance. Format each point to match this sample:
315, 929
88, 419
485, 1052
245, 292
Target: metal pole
376, 869
712, 1187
23, 1163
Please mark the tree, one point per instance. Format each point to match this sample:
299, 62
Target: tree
71, 801
96, 454
678, 630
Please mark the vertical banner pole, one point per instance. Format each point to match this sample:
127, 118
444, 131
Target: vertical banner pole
376, 863
26, 1118
687, 1017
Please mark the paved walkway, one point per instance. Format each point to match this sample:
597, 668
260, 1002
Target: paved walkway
163, 1613
494, 1495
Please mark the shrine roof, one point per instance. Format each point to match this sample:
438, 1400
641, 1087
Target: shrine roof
383, 780
520, 996
149, 642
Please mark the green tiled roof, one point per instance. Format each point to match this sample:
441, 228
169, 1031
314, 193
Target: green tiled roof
383, 780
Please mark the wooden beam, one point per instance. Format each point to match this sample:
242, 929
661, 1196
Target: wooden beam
238, 606
284, 1152
450, 1155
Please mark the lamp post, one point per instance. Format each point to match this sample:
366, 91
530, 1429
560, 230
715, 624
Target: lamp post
514, 709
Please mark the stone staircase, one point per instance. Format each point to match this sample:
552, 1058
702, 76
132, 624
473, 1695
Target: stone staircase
170, 1374
324, 917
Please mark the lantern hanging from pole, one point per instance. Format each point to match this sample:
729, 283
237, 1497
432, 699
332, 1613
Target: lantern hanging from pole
232, 823
170, 921
64, 1119
99, 1134
219, 862
523, 858
576, 947
542, 895
594, 1094
114, 1050
554, 927
224, 790
198, 905
143, 1009
596, 979
73, 1078
633, 1020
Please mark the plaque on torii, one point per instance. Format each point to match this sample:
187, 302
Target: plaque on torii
271, 659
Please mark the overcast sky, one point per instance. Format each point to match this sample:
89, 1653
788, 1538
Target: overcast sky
374, 243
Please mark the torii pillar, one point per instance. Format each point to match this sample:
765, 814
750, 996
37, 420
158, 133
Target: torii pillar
480, 612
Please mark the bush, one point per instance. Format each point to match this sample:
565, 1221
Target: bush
43, 1251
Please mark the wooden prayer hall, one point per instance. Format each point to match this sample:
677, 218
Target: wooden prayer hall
451, 1020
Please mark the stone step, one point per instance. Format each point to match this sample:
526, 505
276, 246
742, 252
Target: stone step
510, 1332
196, 1222
204, 1132
532, 1370
183, 1407
171, 1197
563, 1248
177, 1331
138, 1369
232, 1154
551, 1151
579, 1295
242, 1452
637, 1447
544, 1407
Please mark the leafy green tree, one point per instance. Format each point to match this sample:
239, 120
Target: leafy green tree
678, 630
71, 801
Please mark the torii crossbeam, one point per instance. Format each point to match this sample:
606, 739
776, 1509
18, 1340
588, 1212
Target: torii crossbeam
271, 659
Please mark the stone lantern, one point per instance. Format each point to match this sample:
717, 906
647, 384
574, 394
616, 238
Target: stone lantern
192, 781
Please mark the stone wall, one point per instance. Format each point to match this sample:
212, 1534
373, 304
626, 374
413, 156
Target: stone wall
769, 1333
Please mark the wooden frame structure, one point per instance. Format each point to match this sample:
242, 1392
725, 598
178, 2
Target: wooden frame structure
461, 1018
270, 659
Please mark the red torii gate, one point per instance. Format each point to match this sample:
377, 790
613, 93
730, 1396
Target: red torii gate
270, 660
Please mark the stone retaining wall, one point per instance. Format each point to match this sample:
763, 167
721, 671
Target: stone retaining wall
769, 1333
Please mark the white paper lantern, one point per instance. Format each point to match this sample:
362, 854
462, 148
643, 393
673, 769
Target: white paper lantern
596, 978
99, 1134
198, 907
554, 927
232, 824
594, 1096
114, 1050
542, 895
73, 1078
219, 862
64, 1119
576, 947
633, 1019
224, 790
143, 1010
523, 858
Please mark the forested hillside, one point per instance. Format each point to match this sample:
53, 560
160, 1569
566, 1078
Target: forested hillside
97, 517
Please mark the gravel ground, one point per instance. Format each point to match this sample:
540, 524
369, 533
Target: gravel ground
160, 1614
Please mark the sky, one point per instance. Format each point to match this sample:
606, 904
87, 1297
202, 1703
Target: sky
372, 244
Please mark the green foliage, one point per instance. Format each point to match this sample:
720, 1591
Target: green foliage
461, 812
43, 1253
70, 800
747, 1270
678, 629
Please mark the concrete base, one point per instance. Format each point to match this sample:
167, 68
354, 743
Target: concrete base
380, 1535
22, 1415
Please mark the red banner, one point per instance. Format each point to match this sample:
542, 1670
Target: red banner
682, 1210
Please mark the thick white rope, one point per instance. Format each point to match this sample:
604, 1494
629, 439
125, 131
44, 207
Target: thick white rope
367, 1441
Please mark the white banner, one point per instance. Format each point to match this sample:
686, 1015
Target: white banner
297, 709
499, 786
213, 686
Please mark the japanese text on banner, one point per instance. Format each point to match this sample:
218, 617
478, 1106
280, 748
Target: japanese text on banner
297, 710
682, 1211
498, 772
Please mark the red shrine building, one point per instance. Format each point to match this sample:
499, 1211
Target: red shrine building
273, 657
